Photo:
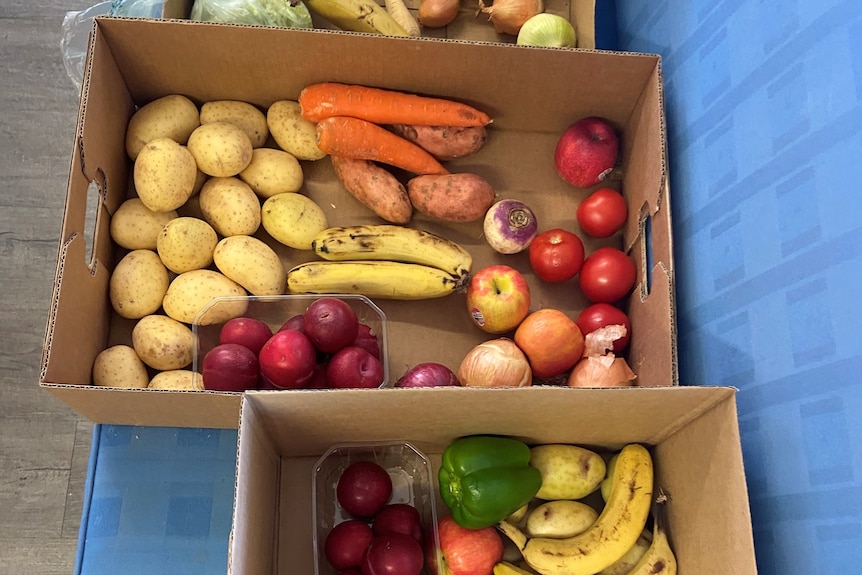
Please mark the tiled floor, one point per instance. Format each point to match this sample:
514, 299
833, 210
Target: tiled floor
44, 446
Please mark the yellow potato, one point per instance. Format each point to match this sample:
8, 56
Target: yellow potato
293, 133
138, 284
173, 117
241, 114
293, 220
230, 206
220, 149
252, 264
134, 226
177, 380
272, 172
163, 343
192, 291
119, 366
186, 244
200, 180
568, 471
164, 175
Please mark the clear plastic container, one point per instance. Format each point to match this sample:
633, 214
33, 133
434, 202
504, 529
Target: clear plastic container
412, 483
274, 311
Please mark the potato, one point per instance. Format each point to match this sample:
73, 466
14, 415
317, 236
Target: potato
375, 187
444, 142
230, 206
134, 226
461, 198
190, 209
293, 220
293, 133
190, 292
164, 175
163, 343
173, 117
241, 114
252, 264
177, 380
186, 244
138, 284
120, 366
220, 149
272, 172
200, 180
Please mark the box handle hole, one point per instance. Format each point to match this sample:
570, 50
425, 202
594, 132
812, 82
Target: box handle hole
91, 218
648, 255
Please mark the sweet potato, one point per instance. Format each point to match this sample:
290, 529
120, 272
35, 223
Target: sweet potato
461, 197
444, 142
375, 188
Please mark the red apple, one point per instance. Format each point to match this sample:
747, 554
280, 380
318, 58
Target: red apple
354, 366
393, 554
246, 331
230, 367
294, 322
287, 359
331, 324
366, 339
398, 518
586, 152
465, 551
346, 543
498, 298
318, 378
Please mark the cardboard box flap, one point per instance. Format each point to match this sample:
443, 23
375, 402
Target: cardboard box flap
607, 415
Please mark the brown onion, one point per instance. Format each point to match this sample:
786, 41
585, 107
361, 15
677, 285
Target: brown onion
601, 371
508, 16
495, 363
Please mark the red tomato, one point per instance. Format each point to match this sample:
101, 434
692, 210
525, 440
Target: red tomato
599, 315
556, 255
607, 275
603, 213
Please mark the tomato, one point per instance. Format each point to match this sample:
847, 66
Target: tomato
556, 255
599, 315
603, 213
607, 275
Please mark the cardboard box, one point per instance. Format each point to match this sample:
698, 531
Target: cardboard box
533, 94
692, 432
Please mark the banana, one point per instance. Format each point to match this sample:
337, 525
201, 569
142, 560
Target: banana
560, 519
357, 16
605, 487
568, 471
396, 243
625, 563
519, 514
375, 279
659, 558
507, 568
609, 538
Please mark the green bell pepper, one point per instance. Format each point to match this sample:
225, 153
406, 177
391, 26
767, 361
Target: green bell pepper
484, 478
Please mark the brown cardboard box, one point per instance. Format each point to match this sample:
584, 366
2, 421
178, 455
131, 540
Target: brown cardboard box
533, 94
692, 432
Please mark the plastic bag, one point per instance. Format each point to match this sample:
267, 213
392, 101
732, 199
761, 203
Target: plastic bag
283, 13
76, 27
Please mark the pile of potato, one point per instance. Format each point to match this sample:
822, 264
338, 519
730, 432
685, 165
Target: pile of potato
205, 181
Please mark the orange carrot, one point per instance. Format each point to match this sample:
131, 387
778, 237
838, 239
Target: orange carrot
363, 140
327, 99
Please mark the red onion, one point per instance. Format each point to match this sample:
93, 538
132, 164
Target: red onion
428, 374
510, 226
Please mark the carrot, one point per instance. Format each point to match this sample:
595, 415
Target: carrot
362, 140
327, 99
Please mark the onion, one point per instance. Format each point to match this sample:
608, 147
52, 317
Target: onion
508, 16
428, 374
510, 226
547, 30
601, 371
495, 363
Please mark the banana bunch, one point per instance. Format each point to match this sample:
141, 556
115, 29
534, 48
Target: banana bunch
562, 536
357, 16
382, 261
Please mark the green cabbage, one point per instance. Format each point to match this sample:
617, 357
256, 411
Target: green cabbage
283, 13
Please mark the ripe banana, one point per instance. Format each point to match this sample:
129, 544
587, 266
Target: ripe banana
625, 563
560, 519
610, 536
357, 16
507, 568
391, 242
568, 471
659, 558
606, 482
375, 279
